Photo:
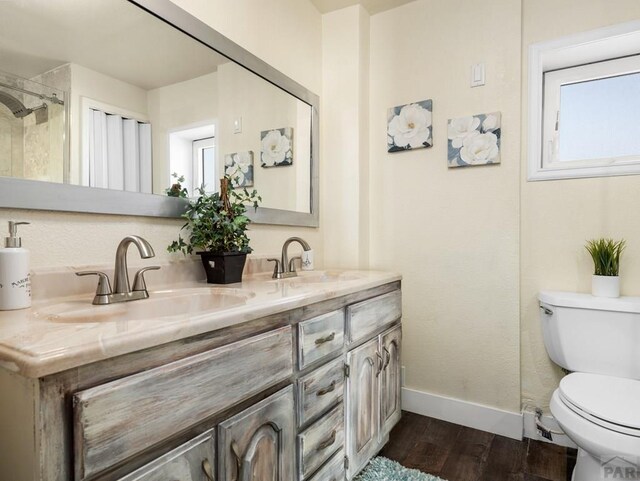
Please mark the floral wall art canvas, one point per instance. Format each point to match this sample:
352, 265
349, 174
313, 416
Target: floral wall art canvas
474, 140
277, 147
409, 126
239, 167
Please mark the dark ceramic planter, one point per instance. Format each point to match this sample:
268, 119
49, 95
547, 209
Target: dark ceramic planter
223, 267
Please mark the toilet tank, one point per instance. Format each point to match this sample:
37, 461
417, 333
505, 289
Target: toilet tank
599, 335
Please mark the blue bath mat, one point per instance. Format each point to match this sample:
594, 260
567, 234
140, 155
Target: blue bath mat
383, 469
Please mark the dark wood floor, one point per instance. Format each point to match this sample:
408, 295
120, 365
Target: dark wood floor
458, 453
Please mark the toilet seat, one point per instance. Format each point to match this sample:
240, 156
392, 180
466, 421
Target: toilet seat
607, 401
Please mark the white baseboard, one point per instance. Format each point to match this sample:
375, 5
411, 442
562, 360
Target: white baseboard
465, 413
530, 430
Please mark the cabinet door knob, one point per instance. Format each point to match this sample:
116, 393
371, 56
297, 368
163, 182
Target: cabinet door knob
206, 467
388, 358
329, 338
326, 390
327, 442
380, 364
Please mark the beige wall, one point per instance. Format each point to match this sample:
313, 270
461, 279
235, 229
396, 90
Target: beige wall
558, 216
178, 106
59, 239
345, 132
262, 106
453, 234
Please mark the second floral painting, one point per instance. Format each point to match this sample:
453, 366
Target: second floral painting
409, 126
474, 140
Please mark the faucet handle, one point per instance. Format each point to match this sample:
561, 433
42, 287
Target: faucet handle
292, 263
104, 286
138, 281
277, 270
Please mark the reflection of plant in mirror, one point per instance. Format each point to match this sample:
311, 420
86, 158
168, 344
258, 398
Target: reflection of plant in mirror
217, 222
606, 255
176, 190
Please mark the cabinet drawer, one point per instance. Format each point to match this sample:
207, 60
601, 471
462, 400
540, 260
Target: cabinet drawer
333, 470
117, 420
368, 316
193, 461
317, 443
320, 336
320, 389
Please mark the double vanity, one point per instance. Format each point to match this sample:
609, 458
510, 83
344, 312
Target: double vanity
267, 380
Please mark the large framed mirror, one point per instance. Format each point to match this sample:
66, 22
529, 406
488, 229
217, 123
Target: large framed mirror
130, 106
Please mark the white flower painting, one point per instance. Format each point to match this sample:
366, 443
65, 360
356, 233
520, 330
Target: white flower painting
239, 167
474, 140
277, 147
409, 126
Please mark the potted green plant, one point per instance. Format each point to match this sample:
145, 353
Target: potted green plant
217, 225
606, 259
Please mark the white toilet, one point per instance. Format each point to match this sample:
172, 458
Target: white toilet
598, 404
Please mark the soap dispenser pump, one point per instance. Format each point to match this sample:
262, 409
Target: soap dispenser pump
15, 281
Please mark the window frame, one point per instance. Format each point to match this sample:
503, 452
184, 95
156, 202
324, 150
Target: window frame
574, 51
553, 82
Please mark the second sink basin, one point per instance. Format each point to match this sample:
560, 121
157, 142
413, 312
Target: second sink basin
182, 303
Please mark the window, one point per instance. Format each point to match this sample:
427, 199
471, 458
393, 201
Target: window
584, 105
192, 155
204, 164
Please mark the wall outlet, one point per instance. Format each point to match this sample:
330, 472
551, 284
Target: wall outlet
402, 376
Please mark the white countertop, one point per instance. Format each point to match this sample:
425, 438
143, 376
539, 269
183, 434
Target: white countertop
65, 332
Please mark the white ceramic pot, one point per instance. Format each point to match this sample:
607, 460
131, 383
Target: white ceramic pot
605, 286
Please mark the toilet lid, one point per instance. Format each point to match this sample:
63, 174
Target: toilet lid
611, 399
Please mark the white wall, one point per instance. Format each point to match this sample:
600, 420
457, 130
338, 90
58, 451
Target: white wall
60, 239
559, 216
453, 234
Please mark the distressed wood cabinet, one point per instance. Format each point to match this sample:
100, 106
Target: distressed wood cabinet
258, 443
374, 382
308, 394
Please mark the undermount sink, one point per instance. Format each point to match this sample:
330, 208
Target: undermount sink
182, 303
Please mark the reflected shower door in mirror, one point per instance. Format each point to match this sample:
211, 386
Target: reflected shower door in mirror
102, 94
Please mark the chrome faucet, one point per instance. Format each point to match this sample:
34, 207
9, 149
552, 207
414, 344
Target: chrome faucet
284, 267
122, 291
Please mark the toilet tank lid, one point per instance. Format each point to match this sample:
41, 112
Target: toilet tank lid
587, 301
609, 398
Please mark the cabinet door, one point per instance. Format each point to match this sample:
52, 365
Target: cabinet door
259, 443
363, 412
390, 380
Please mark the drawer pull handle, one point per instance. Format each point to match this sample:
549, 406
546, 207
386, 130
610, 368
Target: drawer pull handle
388, 358
326, 390
206, 467
236, 454
380, 363
327, 442
328, 338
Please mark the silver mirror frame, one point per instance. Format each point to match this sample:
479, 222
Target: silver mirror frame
29, 194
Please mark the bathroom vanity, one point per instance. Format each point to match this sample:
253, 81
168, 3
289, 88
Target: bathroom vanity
295, 379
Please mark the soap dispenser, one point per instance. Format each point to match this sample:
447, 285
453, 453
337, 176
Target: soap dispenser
15, 281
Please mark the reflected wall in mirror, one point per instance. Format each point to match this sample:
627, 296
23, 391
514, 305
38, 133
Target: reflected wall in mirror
102, 94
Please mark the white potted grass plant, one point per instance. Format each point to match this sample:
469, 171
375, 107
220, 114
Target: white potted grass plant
606, 259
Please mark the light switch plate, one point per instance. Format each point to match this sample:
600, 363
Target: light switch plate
237, 125
477, 75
